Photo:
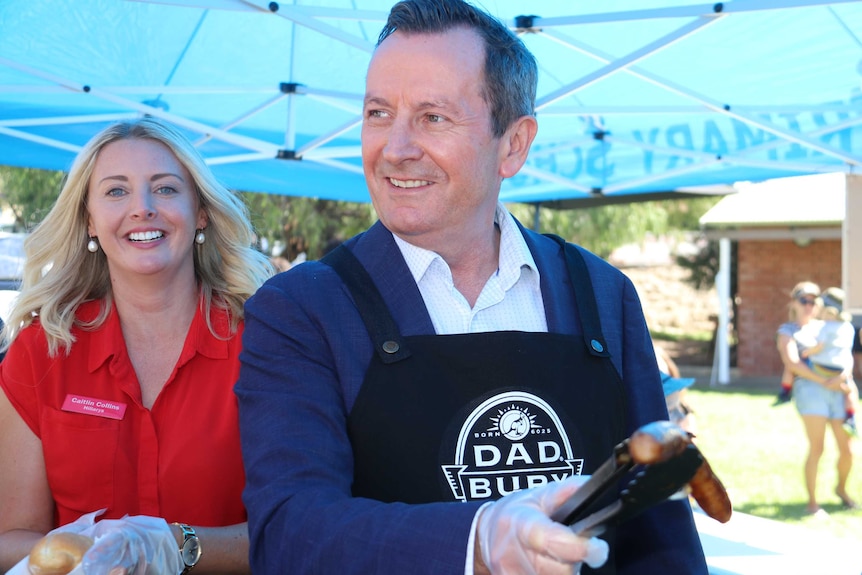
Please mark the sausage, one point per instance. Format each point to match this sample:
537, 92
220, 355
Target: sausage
656, 442
710, 494
661, 441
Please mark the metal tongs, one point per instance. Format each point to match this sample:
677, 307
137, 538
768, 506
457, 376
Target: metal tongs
663, 460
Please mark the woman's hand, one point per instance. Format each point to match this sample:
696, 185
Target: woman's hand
836, 383
133, 545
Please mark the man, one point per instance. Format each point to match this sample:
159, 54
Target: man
396, 396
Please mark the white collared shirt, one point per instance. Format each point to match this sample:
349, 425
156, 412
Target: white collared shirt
510, 300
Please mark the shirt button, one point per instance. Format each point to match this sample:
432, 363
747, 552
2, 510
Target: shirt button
391, 346
597, 346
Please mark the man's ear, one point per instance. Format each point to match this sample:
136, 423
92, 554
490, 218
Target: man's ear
516, 145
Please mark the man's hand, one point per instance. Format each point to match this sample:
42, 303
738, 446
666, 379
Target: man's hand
515, 536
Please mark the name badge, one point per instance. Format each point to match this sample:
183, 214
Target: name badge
92, 406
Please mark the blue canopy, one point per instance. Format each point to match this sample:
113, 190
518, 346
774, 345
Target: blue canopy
635, 96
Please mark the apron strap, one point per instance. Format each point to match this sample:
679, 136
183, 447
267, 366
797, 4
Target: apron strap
389, 344
381, 327
585, 298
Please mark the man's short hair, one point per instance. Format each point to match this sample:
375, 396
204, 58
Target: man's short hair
510, 70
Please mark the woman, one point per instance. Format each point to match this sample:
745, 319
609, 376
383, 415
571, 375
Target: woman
123, 350
819, 398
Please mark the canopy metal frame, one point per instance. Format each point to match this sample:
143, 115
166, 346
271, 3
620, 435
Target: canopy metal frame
695, 19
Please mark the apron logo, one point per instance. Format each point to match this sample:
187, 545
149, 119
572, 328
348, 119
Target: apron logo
512, 441
514, 424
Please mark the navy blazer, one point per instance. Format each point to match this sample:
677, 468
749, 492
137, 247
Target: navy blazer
305, 353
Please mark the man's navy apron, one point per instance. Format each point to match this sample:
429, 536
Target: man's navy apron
472, 417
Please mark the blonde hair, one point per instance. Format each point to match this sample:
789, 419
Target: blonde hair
803, 288
60, 274
832, 300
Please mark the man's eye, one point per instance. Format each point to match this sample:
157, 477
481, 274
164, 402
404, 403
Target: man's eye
435, 118
376, 114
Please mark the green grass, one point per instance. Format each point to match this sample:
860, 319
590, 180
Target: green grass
759, 450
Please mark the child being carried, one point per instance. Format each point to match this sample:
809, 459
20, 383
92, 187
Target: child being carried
833, 353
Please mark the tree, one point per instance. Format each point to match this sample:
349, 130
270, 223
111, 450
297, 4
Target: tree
602, 229
29, 193
306, 225
289, 226
296, 225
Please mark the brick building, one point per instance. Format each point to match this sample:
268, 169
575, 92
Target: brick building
786, 231
768, 270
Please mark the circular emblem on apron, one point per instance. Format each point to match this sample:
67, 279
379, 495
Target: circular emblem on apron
511, 441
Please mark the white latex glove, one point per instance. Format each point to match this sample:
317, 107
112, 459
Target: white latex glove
136, 545
82, 525
517, 537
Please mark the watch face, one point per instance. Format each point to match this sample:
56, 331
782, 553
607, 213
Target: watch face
191, 551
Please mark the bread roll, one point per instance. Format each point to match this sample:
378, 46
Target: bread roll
58, 553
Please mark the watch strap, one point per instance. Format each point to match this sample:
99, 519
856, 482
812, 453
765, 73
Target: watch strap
188, 534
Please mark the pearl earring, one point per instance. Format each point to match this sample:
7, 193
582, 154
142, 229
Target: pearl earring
92, 246
200, 238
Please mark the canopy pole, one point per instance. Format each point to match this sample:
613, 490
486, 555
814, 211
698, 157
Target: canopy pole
536, 223
290, 128
851, 255
721, 361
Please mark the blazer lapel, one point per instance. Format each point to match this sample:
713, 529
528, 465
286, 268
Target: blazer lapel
377, 251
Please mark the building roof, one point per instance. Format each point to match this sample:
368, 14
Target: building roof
815, 200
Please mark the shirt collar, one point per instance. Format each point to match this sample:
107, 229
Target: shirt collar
514, 253
107, 340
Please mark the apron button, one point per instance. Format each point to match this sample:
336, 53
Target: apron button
597, 346
391, 346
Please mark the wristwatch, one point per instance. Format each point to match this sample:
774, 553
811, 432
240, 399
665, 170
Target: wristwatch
190, 550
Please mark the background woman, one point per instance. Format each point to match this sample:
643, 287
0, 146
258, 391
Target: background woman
123, 351
819, 398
